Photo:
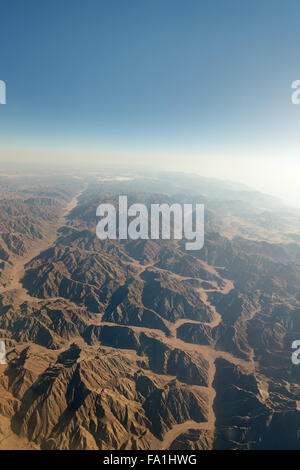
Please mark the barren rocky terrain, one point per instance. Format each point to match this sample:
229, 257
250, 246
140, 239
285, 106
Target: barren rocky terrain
140, 344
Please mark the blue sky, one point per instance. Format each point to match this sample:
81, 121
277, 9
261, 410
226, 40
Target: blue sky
191, 85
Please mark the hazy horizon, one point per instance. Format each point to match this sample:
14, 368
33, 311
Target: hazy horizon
132, 172
192, 87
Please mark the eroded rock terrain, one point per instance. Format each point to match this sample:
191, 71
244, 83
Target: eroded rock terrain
140, 344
